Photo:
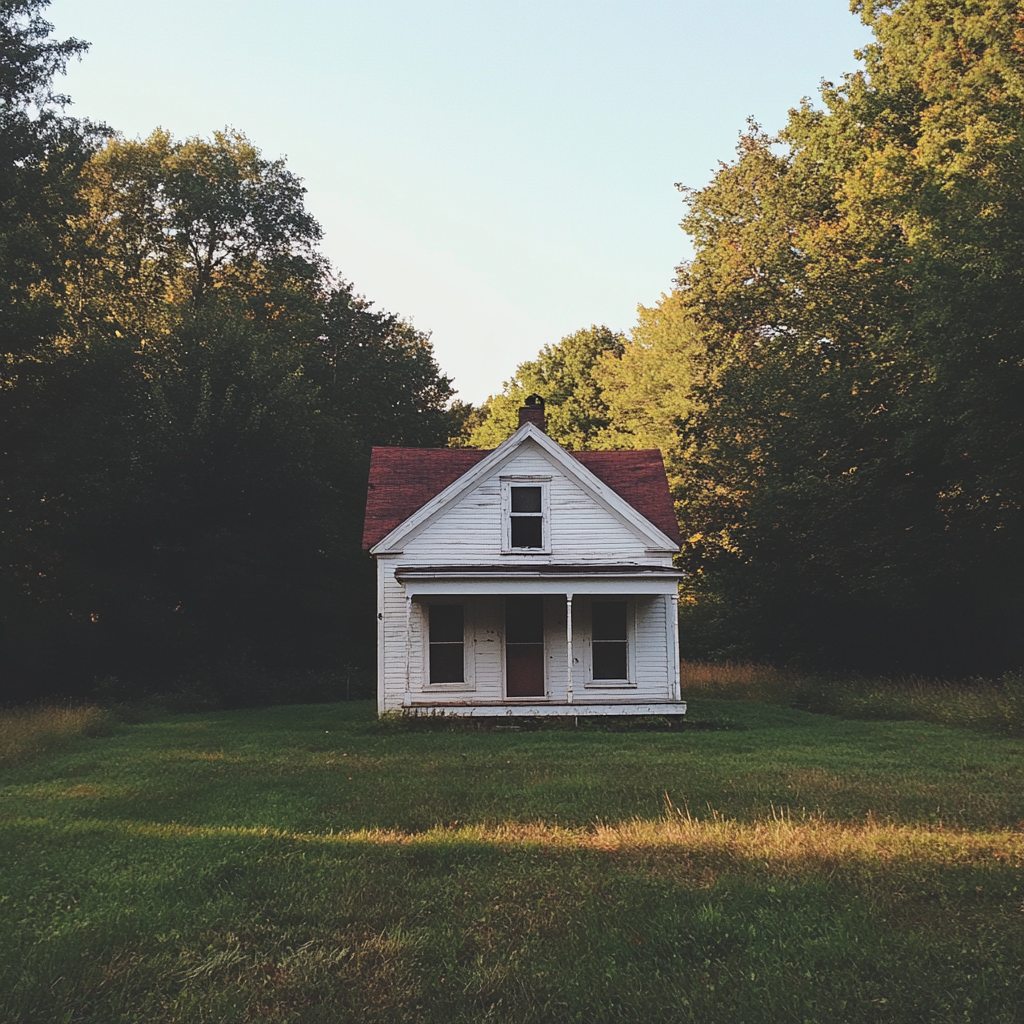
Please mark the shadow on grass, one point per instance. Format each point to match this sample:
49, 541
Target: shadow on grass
659, 920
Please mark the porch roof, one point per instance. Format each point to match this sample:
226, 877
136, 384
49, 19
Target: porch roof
543, 577
543, 569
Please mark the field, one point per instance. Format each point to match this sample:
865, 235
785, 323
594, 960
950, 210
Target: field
761, 864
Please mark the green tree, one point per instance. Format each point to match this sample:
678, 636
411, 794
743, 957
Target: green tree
165, 221
381, 376
650, 390
188, 454
41, 154
563, 375
855, 490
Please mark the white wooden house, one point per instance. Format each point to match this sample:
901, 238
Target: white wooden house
527, 580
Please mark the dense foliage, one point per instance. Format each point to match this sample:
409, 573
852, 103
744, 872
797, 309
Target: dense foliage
187, 401
838, 380
564, 376
188, 397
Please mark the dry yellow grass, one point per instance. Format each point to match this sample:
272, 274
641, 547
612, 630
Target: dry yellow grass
735, 681
698, 674
681, 845
26, 732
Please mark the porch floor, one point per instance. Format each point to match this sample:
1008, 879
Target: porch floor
548, 710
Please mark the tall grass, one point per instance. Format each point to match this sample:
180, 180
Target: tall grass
27, 732
984, 704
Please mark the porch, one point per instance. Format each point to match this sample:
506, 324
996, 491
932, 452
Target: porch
540, 640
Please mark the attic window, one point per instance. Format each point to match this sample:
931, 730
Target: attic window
526, 528
527, 518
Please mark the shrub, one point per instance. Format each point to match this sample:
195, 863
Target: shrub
28, 732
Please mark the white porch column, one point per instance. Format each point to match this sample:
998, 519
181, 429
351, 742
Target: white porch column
407, 699
673, 607
568, 648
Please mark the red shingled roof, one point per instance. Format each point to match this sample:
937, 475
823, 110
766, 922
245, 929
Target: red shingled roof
639, 478
403, 480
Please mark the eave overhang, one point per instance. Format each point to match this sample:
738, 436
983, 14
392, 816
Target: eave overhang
546, 570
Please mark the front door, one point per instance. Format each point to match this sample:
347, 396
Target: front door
524, 646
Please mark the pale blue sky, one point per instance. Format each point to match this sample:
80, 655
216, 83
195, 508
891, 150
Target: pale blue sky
499, 173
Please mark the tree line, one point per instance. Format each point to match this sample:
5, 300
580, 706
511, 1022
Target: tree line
837, 379
188, 393
188, 396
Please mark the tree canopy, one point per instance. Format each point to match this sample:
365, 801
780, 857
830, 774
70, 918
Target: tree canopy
41, 153
854, 484
563, 375
187, 402
837, 380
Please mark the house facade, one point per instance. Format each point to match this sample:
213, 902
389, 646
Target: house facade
527, 580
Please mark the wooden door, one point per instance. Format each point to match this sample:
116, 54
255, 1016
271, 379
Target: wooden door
524, 646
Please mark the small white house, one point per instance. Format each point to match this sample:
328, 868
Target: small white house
527, 580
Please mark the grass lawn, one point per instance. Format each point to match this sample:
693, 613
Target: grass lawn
306, 864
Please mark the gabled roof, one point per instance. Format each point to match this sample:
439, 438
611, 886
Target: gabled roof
403, 480
639, 478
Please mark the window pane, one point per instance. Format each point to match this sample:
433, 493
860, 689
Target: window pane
610, 659
527, 532
446, 623
524, 620
526, 499
610, 620
446, 663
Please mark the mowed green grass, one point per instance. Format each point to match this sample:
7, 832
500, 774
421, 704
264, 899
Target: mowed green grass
303, 864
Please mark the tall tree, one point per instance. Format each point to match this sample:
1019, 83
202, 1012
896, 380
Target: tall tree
189, 452
855, 485
41, 153
381, 376
650, 389
563, 375
168, 221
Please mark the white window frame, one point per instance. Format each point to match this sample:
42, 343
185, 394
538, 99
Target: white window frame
589, 682
468, 646
507, 483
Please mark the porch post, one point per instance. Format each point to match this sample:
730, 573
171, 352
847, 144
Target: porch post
673, 608
407, 699
568, 648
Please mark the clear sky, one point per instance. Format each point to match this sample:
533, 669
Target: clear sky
501, 174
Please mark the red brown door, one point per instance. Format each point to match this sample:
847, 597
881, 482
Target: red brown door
524, 646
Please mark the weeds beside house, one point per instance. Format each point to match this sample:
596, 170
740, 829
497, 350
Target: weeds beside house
985, 704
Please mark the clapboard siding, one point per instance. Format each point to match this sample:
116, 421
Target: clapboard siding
581, 528
652, 647
391, 671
